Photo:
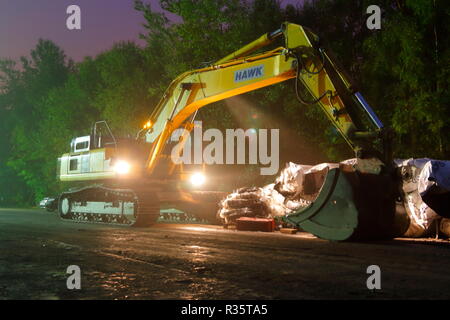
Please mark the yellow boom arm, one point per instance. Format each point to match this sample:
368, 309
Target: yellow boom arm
240, 72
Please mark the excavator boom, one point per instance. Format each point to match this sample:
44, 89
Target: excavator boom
301, 58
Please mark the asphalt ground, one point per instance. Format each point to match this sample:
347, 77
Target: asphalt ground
182, 261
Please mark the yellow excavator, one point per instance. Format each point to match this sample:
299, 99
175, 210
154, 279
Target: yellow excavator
127, 181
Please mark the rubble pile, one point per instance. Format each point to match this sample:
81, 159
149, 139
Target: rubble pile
295, 188
425, 188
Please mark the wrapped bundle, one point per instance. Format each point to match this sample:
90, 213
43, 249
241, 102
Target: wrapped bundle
426, 194
244, 202
274, 200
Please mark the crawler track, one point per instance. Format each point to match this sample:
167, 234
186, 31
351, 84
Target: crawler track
100, 204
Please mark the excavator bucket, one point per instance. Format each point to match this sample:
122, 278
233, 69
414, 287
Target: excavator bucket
350, 206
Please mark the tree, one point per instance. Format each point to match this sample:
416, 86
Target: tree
125, 75
402, 69
22, 93
407, 72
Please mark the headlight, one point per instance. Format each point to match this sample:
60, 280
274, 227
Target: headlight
122, 167
197, 179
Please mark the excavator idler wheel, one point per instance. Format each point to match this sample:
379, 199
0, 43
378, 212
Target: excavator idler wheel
64, 206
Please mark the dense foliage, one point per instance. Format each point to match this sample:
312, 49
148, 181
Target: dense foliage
403, 70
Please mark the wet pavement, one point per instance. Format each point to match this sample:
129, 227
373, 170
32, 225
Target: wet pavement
171, 261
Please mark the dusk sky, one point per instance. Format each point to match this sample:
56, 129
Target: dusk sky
23, 22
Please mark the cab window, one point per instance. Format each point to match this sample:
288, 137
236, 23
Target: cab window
81, 146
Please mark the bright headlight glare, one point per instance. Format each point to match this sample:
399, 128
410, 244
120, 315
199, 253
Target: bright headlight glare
122, 167
197, 179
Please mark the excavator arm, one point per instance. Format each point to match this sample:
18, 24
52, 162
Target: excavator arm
301, 58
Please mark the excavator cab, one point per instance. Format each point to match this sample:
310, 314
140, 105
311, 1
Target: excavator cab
80, 144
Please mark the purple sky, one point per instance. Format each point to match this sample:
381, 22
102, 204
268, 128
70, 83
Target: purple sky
23, 22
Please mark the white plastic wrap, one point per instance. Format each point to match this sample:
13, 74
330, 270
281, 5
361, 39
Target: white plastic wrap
419, 175
432, 172
291, 178
274, 201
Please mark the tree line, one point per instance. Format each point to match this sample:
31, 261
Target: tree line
403, 70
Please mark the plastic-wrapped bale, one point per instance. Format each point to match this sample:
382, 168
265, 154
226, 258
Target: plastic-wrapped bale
274, 201
290, 179
300, 184
265, 202
279, 204
426, 195
244, 202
